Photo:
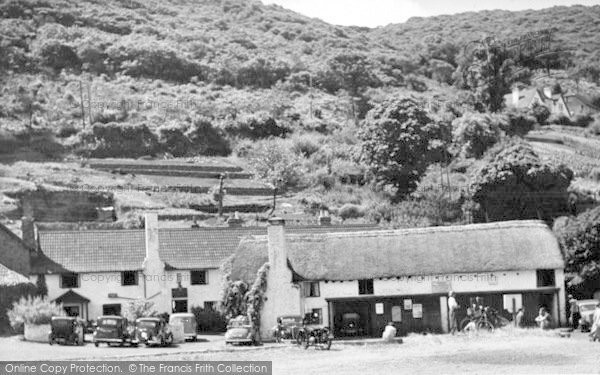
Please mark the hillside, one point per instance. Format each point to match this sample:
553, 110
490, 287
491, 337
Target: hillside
235, 79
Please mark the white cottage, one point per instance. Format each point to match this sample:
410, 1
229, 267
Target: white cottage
404, 276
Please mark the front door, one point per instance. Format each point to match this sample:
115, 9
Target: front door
180, 306
72, 310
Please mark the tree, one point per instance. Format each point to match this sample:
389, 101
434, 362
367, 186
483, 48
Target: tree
138, 309
399, 142
540, 112
233, 301
274, 164
41, 287
475, 133
518, 122
352, 72
514, 184
489, 72
579, 238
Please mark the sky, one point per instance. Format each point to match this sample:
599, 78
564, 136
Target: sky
373, 13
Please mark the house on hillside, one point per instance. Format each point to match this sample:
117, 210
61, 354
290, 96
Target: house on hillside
96, 272
404, 276
568, 105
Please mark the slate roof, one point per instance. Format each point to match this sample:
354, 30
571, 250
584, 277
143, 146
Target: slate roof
500, 246
124, 250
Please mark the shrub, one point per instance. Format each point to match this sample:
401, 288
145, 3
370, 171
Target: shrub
33, 310
57, 55
209, 320
560, 120
306, 144
582, 120
118, 140
256, 126
518, 122
475, 133
205, 139
351, 211
173, 140
540, 112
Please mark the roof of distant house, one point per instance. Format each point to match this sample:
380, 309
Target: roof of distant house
491, 247
123, 250
9, 277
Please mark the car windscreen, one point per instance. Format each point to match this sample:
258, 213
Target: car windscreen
588, 307
108, 322
146, 324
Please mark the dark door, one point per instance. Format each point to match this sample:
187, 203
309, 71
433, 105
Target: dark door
180, 306
72, 310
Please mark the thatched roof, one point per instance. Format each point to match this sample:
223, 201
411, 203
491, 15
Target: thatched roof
501, 246
9, 277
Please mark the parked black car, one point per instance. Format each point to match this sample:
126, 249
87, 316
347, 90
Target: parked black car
112, 329
153, 331
313, 333
351, 325
66, 330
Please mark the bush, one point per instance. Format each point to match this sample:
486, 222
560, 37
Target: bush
351, 211
540, 112
57, 55
173, 140
594, 128
582, 120
118, 140
8, 142
560, 120
209, 320
306, 144
518, 122
206, 140
475, 133
33, 310
256, 126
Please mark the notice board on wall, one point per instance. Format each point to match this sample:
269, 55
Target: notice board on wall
417, 310
396, 314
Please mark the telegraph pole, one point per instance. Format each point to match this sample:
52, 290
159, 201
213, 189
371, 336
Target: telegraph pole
221, 178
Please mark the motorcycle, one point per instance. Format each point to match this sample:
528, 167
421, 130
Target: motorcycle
314, 334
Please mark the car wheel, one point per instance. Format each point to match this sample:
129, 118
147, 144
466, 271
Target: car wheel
96, 344
169, 340
306, 342
51, 341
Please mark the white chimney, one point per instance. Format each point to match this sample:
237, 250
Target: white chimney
277, 248
515, 96
151, 236
548, 92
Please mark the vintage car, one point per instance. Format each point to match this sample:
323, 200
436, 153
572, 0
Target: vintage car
313, 333
113, 329
351, 325
66, 330
240, 331
287, 327
153, 331
586, 310
188, 320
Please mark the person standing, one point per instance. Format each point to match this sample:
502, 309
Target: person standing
574, 314
452, 309
595, 330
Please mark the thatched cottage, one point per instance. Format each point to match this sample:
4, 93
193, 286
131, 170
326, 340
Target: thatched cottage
404, 276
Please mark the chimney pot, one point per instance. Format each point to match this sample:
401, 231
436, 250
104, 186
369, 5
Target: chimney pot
515, 96
235, 221
276, 221
28, 233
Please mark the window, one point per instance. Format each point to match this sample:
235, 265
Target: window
198, 277
545, 278
129, 278
111, 309
311, 289
318, 315
209, 305
69, 280
365, 286
180, 306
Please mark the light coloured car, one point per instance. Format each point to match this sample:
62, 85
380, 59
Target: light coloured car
586, 310
240, 331
188, 320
